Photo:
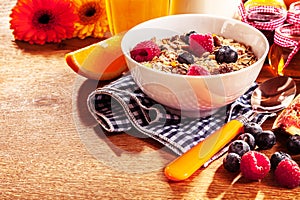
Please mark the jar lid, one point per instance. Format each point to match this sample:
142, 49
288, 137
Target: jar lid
263, 17
293, 16
291, 31
295, 7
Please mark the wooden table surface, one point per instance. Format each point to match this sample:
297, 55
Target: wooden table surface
51, 148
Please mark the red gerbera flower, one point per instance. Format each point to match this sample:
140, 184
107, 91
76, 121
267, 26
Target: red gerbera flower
41, 21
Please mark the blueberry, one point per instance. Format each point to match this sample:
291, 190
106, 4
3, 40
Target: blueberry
293, 144
232, 162
265, 139
239, 147
253, 128
186, 58
249, 138
277, 157
226, 54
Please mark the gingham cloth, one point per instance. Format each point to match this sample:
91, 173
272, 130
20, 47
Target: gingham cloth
122, 106
263, 25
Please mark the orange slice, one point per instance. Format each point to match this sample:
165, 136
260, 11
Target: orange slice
100, 61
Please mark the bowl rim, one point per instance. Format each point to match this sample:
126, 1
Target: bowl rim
138, 26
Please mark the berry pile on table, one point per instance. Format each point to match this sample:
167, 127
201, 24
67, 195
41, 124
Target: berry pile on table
244, 156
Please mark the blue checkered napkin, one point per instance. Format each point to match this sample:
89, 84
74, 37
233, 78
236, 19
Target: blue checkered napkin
121, 106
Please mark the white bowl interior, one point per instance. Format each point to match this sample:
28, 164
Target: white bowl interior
189, 92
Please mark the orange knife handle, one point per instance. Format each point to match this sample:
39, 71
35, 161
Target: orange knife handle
186, 164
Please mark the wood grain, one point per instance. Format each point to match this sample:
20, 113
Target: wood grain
51, 148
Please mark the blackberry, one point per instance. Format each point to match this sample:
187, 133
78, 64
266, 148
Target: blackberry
226, 54
249, 138
239, 147
253, 128
277, 157
232, 162
186, 58
293, 144
265, 140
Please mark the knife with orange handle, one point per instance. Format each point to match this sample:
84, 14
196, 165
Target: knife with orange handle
189, 162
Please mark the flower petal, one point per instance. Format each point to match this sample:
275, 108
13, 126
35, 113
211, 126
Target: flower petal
95, 25
27, 25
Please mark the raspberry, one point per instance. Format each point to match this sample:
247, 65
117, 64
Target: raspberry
196, 70
145, 51
255, 165
287, 173
200, 43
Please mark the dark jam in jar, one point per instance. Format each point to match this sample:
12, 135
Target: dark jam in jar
265, 16
278, 54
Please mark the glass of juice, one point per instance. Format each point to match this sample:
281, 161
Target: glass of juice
184, 6
124, 14
226, 8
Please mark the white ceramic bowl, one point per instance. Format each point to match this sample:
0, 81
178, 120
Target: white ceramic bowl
194, 93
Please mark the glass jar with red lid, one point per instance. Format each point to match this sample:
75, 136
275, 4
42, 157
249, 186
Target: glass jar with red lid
284, 54
264, 15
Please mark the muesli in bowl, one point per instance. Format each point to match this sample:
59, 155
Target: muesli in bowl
194, 53
171, 82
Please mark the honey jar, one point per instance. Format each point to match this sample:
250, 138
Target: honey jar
284, 54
